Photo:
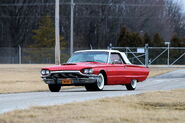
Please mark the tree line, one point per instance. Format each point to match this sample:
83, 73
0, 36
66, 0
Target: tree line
135, 39
96, 22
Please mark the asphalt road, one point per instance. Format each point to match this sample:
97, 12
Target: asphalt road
10, 102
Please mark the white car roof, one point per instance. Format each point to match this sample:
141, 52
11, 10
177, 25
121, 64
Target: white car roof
110, 51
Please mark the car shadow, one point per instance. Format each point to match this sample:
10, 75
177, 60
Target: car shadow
108, 90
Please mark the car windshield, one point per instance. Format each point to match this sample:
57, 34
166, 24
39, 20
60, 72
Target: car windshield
89, 56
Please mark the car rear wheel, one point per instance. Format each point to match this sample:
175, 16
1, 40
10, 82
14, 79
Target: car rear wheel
98, 86
89, 87
132, 85
54, 88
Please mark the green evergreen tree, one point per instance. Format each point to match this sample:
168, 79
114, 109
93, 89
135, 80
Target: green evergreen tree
122, 40
183, 42
135, 40
158, 41
147, 39
177, 42
129, 39
44, 36
44, 43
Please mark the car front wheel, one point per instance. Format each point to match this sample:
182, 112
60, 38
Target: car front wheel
54, 88
132, 85
98, 86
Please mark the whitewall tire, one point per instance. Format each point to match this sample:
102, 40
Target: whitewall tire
132, 85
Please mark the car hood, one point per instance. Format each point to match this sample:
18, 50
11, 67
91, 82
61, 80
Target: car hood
74, 66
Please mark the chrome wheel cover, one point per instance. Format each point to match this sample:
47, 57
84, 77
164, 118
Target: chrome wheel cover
134, 83
100, 81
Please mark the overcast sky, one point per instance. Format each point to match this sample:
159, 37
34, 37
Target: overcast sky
183, 4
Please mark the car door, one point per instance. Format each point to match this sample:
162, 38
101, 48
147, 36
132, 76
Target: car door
117, 69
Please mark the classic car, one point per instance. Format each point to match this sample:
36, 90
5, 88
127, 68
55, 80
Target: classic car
94, 69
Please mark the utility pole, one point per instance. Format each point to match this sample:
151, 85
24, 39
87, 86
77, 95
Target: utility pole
71, 30
57, 32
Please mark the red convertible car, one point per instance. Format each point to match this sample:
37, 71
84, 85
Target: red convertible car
94, 69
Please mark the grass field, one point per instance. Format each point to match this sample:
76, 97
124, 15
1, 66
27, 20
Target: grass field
153, 107
21, 78
26, 78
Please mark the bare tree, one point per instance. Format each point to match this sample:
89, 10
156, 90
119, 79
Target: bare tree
19, 18
96, 22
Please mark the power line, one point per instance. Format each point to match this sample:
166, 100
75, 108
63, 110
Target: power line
67, 3
108, 17
114, 17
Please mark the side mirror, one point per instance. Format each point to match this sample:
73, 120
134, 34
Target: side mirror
116, 62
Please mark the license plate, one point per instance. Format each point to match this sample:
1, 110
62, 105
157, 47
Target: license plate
66, 81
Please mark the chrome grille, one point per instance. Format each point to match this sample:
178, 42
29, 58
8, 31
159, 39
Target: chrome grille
67, 75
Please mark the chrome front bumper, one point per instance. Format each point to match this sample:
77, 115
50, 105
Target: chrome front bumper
83, 80
75, 81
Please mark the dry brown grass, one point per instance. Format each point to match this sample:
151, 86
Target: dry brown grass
153, 107
26, 78
20, 78
154, 71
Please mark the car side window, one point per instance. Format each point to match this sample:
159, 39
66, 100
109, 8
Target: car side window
115, 58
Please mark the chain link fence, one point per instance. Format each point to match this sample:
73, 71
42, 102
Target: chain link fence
20, 55
9, 55
137, 55
154, 55
30, 55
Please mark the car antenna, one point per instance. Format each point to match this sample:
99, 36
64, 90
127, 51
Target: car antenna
91, 46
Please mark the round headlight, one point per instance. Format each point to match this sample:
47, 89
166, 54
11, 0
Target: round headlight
88, 71
47, 72
43, 72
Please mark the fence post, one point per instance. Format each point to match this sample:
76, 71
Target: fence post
146, 55
168, 45
168, 53
110, 46
20, 55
